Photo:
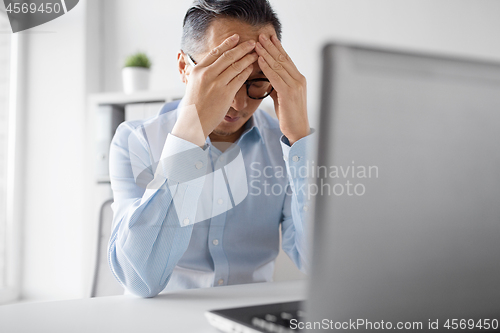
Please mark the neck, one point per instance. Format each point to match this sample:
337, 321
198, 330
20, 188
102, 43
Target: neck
233, 137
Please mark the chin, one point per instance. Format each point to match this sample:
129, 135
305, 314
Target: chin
226, 128
223, 132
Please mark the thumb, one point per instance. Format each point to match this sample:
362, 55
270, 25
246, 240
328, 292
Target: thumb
274, 96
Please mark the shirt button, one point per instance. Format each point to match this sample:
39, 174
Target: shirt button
185, 222
306, 208
221, 159
285, 157
220, 282
220, 201
215, 242
198, 165
295, 158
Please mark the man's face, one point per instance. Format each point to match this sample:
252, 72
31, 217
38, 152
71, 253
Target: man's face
242, 106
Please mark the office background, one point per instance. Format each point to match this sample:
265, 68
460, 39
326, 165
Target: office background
82, 52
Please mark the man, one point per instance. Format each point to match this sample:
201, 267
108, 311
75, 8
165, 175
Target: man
184, 216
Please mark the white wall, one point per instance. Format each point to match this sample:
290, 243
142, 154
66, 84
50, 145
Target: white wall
151, 26
54, 112
60, 75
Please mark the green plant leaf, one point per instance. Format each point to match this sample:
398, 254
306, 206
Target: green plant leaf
139, 59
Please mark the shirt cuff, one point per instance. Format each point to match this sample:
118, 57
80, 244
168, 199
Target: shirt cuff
183, 161
295, 156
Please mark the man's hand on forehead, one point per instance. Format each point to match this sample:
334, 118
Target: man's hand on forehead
290, 87
230, 59
212, 85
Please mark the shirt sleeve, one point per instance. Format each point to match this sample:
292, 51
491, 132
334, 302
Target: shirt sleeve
296, 207
154, 208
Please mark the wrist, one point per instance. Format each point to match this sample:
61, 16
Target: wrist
297, 135
188, 126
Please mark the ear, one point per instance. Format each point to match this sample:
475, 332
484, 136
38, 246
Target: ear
182, 66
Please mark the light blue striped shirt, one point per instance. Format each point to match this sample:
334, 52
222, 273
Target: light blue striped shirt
191, 217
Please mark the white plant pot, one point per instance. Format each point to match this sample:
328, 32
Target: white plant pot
135, 79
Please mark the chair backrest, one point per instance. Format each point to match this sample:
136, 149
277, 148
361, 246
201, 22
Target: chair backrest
104, 283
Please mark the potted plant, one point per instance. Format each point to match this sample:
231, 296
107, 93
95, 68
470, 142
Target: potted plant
135, 73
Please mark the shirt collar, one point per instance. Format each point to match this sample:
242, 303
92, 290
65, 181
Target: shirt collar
251, 130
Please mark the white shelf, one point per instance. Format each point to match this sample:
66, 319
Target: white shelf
120, 98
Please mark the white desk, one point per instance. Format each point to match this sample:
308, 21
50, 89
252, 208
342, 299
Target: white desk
176, 312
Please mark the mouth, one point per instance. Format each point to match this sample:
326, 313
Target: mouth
230, 119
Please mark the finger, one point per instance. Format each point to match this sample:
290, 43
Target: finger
231, 56
275, 65
240, 79
275, 79
237, 67
274, 96
279, 46
215, 53
280, 55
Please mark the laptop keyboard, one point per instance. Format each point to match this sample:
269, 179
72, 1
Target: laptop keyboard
278, 322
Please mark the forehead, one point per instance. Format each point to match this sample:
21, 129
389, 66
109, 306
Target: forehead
222, 28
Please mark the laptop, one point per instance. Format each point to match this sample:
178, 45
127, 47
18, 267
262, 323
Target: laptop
407, 226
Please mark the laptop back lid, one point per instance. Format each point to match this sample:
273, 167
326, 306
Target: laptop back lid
407, 222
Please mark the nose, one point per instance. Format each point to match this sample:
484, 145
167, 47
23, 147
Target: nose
240, 99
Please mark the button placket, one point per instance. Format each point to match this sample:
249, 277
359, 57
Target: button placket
217, 222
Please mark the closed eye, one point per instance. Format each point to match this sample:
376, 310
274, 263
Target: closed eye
258, 84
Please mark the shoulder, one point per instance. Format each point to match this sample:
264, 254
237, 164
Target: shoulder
146, 129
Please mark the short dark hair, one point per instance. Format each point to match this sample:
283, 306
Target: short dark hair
202, 13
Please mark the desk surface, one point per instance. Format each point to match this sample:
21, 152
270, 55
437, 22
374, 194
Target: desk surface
176, 312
